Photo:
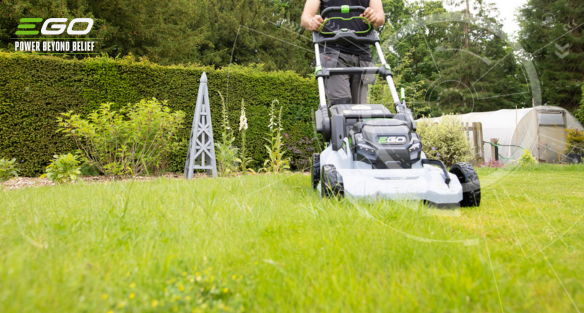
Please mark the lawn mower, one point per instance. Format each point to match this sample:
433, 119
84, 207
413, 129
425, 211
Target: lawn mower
372, 153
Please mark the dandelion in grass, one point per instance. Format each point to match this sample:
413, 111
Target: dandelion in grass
225, 290
133, 285
154, 303
104, 296
132, 295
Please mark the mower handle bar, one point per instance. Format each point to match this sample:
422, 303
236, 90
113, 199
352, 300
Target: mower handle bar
328, 10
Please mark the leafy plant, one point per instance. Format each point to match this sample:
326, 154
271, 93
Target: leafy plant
64, 168
301, 151
275, 162
446, 138
527, 158
243, 159
133, 141
226, 154
574, 141
8, 169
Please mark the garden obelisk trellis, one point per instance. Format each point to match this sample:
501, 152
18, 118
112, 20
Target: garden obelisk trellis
201, 154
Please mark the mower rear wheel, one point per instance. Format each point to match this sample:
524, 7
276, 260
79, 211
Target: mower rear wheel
471, 187
315, 170
331, 182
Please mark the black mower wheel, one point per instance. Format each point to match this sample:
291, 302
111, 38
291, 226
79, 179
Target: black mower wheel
471, 187
331, 182
315, 171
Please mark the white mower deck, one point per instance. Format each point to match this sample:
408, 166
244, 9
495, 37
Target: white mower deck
418, 183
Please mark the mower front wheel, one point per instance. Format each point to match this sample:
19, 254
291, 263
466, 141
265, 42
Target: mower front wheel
331, 182
471, 187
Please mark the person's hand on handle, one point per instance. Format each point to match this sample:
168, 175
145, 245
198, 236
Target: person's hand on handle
312, 21
315, 23
371, 16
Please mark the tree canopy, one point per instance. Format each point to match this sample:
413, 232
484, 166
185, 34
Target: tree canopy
551, 31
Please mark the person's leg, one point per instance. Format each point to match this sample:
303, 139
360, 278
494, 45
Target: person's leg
338, 88
358, 89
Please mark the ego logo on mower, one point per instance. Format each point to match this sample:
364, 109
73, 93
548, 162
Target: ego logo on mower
391, 140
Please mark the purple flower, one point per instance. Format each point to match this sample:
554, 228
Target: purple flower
433, 148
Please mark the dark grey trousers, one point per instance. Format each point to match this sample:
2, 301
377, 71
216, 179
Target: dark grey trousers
343, 89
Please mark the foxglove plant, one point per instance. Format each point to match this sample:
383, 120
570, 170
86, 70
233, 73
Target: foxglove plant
276, 162
243, 159
227, 154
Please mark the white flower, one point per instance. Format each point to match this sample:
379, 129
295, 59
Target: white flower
242, 123
242, 120
242, 117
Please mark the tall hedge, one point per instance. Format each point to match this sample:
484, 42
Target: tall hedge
35, 89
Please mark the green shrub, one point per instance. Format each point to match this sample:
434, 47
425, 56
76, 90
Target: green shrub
133, 141
527, 158
300, 152
64, 168
8, 169
35, 89
445, 140
574, 141
580, 112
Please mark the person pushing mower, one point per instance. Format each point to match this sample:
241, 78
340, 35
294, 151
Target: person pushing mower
345, 89
370, 153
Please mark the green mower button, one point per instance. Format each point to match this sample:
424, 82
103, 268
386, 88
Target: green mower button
345, 9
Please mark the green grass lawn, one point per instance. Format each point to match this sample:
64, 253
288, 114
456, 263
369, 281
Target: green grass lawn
269, 243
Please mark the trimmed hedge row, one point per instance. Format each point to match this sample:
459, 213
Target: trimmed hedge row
35, 89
